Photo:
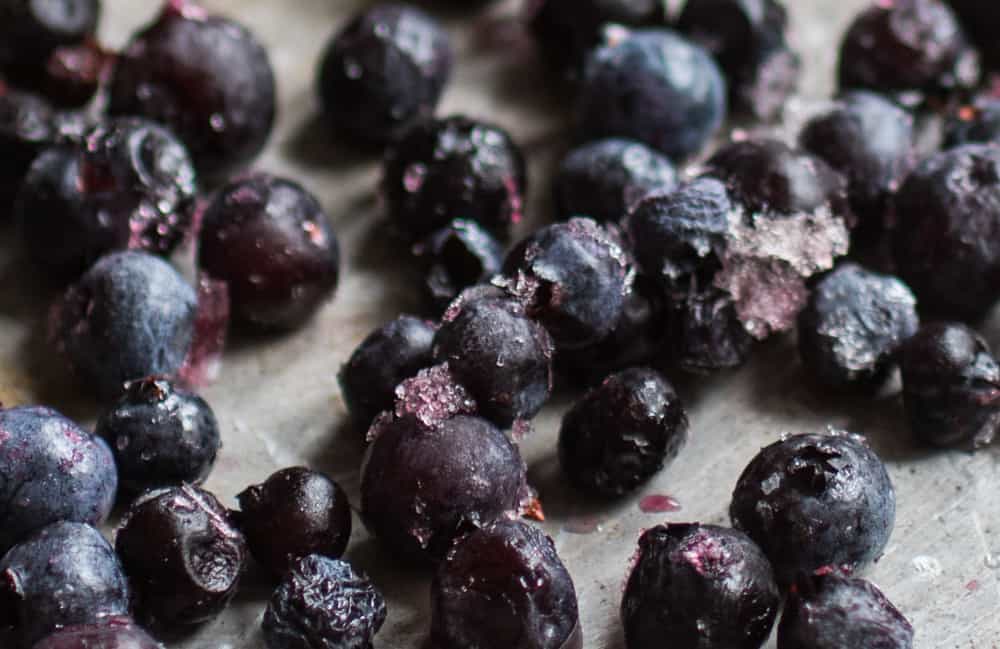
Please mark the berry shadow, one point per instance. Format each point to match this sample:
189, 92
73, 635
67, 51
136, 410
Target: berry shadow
315, 144
566, 504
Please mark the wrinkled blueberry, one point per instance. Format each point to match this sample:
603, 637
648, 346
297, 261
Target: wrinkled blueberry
978, 122
458, 256
31, 30
114, 633
695, 586
981, 21
815, 501
323, 603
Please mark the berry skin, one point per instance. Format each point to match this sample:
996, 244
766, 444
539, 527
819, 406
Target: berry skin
27, 127
457, 257
978, 122
951, 386
504, 587
816, 501
161, 436
31, 31
621, 433
115, 633
323, 603
271, 242
700, 586
385, 70
295, 513
654, 86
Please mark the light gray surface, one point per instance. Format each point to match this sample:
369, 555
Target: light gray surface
279, 403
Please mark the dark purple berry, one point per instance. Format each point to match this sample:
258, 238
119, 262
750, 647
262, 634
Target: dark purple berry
981, 21
182, 555
271, 242
72, 74
622, 433
30, 30
294, 513
504, 587
975, 123
384, 70
323, 603
26, 129
696, 586
458, 256
114, 633
816, 501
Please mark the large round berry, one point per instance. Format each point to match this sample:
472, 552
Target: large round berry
113, 633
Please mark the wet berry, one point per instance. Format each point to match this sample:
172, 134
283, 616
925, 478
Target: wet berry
114, 633
458, 256
31, 31
978, 122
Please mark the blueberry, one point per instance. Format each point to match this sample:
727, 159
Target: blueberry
504, 587
271, 242
30, 31
294, 513
161, 435
182, 555
700, 586
204, 76
72, 74
604, 179
830, 612
114, 633
981, 21
951, 386
653, 86
453, 168
26, 129
816, 501
458, 256
383, 71
323, 603
63, 575
853, 326
978, 122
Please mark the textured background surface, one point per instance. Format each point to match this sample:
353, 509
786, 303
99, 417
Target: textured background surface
279, 403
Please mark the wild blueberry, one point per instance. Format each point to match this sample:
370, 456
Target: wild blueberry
981, 21
30, 31
458, 256
978, 122
114, 633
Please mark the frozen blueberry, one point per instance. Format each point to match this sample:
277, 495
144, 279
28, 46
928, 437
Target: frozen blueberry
271, 242
182, 555
853, 326
698, 586
832, 612
114, 633
458, 256
504, 587
384, 70
951, 386
816, 501
978, 122
947, 231
981, 21
63, 575
31, 30
204, 76
453, 168
653, 86
161, 435
50, 470
294, 513
604, 179
323, 603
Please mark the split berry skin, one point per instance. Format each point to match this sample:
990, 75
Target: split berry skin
831, 611
53, 471
654, 86
115, 633
504, 587
978, 122
853, 326
604, 179
182, 555
622, 433
65, 574
31, 31
271, 242
444, 169
699, 586
349, 613
294, 513
161, 436
385, 70
951, 386
456, 257
816, 501
207, 78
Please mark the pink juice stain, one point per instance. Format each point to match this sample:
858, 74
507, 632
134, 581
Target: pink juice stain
659, 504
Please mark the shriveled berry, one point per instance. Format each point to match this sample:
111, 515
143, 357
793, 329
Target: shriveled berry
458, 256
31, 30
978, 122
114, 633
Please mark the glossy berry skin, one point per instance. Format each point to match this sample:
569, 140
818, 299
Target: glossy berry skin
207, 78
951, 386
30, 31
981, 22
271, 242
161, 435
653, 86
815, 501
831, 611
978, 122
622, 432
456, 257
385, 70
63, 575
504, 587
854, 324
605, 178
349, 613
182, 555
700, 586
453, 168
294, 513
947, 231
53, 470
115, 633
